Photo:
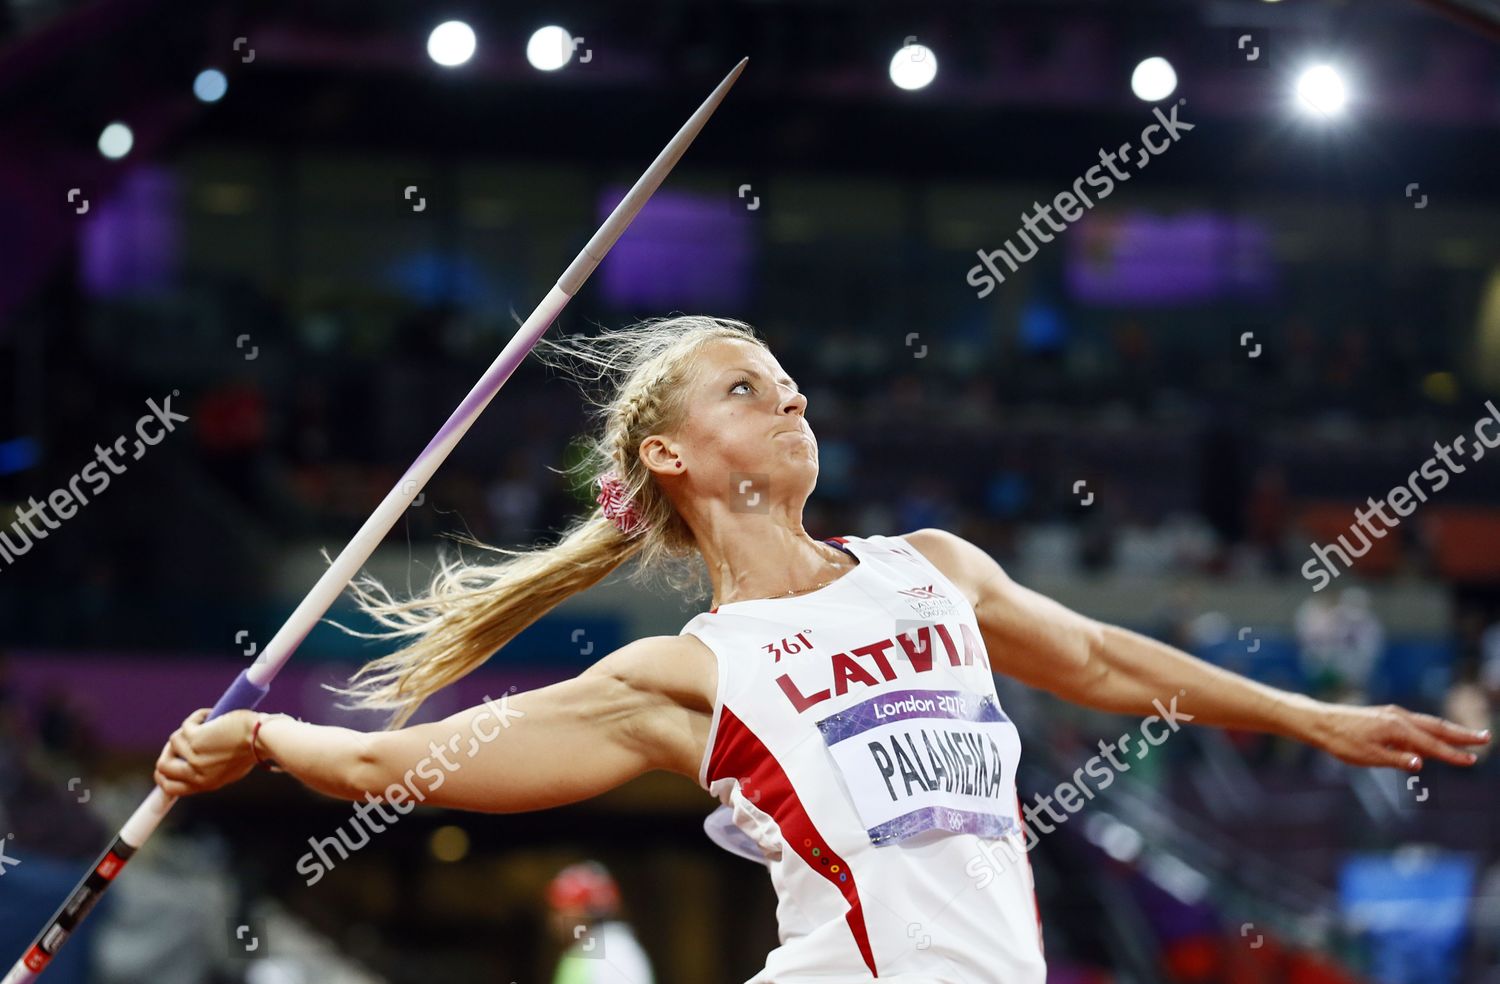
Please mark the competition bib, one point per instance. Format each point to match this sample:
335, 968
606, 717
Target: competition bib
917, 760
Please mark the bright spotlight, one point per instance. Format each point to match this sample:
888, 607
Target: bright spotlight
451, 43
1321, 89
550, 48
914, 67
115, 141
1153, 79
210, 85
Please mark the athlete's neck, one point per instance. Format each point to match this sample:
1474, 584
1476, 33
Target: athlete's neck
775, 563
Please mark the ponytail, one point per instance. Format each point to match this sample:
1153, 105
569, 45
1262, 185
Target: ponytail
471, 611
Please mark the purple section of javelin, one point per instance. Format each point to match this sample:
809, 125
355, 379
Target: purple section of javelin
862, 716
242, 695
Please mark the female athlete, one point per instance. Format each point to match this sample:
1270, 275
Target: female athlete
837, 698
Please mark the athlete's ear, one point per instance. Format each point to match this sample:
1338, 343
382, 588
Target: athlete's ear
660, 455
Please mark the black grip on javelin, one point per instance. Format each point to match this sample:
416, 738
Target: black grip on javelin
77, 906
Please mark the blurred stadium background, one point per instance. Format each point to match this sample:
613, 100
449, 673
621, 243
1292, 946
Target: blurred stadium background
1271, 323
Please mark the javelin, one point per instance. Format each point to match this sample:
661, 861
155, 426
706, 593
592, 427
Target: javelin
252, 685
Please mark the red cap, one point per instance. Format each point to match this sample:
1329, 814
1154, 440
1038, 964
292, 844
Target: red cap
586, 887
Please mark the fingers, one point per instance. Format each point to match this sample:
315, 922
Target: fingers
177, 769
195, 720
1451, 732
1396, 738
183, 750
165, 756
173, 775
1386, 756
170, 787
1423, 742
1430, 735
174, 787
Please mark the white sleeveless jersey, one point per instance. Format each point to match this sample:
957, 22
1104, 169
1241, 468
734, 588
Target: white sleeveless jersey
860, 751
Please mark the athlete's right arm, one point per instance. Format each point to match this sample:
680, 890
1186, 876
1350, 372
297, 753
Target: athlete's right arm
645, 706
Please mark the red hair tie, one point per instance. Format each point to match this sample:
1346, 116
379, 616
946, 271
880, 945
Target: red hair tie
619, 508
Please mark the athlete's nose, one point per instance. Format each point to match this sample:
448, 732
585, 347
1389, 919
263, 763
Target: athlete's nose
797, 403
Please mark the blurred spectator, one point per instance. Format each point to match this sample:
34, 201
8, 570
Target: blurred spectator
1467, 703
584, 905
1178, 542
1339, 644
1268, 510
1468, 700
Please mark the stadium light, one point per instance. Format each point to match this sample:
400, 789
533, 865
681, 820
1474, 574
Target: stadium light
210, 85
914, 66
1321, 89
116, 140
451, 44
550, 48
1154, 79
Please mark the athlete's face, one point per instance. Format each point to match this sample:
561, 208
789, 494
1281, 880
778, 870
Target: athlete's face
745, 422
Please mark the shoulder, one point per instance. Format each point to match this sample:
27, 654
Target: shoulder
678, 668
967, 566
662, 691
942, 547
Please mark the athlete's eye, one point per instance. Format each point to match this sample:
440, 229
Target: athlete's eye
742, 382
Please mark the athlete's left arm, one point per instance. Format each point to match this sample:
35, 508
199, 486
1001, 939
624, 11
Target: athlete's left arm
1047, 645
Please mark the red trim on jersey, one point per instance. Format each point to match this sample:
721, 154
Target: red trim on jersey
739, 754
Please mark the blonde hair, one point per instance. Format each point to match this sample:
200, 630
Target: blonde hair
638, 378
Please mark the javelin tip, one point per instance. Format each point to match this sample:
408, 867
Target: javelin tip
584, 264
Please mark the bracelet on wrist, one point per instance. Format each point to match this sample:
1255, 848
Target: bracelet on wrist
264, 763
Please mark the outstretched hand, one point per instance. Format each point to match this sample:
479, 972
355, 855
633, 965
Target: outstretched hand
204, 755
1391, 736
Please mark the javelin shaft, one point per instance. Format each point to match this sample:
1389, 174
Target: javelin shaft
252, 685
